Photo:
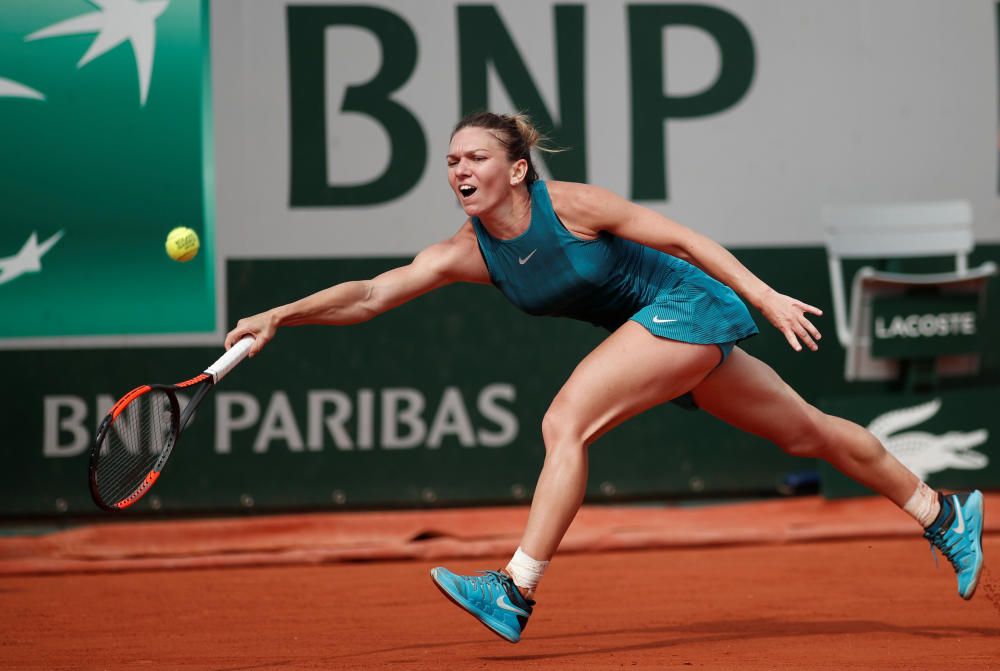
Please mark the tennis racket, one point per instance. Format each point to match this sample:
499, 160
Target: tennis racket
135, 439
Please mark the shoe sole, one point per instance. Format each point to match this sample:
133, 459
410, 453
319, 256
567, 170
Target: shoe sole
979, 542
457, 602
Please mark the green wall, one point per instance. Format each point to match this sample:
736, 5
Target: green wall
479, 367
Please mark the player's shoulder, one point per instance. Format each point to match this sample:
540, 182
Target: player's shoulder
578, 194
457, 257
584, 203
456, 245
463, 239
560, 191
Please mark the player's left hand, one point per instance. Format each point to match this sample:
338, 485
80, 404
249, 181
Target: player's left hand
788, 315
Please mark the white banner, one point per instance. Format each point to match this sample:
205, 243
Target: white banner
845, 102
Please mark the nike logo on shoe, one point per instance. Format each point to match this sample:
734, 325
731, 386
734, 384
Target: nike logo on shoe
960, 525
503, 603
657, 320
527, 258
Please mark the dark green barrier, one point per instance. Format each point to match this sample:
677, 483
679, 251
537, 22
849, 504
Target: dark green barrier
437, 402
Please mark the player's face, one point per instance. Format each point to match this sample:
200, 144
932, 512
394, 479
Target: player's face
479, 171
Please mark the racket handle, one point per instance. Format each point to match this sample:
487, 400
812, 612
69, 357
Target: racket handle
228, 361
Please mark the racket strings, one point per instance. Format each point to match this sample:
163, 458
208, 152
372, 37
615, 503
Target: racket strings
139, 437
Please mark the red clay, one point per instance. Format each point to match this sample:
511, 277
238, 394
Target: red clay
436, 535
861, 604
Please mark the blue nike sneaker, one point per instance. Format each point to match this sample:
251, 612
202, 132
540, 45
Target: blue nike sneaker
958, 534
491, 597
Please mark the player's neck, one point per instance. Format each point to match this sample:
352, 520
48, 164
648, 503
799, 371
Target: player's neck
510, 217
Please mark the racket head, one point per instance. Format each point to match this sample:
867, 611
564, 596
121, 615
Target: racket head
132, 444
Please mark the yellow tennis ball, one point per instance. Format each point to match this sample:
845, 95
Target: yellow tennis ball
182, 244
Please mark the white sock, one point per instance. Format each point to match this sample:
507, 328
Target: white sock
525, 571
924, 505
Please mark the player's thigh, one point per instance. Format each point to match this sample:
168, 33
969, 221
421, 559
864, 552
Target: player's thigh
746, 393
631, 371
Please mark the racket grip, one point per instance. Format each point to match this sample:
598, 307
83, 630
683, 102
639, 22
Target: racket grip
228, 361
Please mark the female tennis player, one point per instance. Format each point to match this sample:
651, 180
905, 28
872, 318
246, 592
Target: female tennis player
670, 298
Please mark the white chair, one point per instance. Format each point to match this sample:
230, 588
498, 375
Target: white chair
898, 231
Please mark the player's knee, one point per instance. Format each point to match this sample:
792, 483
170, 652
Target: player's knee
806, 437
804, 446
560, 432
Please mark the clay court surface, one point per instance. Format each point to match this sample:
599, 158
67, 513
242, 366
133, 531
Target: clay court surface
636, 589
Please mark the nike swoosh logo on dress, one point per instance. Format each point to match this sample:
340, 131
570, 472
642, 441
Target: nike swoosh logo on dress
527, 258
657, 320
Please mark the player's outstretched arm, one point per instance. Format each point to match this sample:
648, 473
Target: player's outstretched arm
454, 260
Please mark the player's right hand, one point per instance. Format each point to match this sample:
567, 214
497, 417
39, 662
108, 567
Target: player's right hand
261, 326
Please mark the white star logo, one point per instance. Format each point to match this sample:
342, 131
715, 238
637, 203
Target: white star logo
118, 20
11, 89
28, 260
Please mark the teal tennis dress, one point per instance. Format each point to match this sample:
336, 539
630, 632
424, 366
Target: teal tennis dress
609, 280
